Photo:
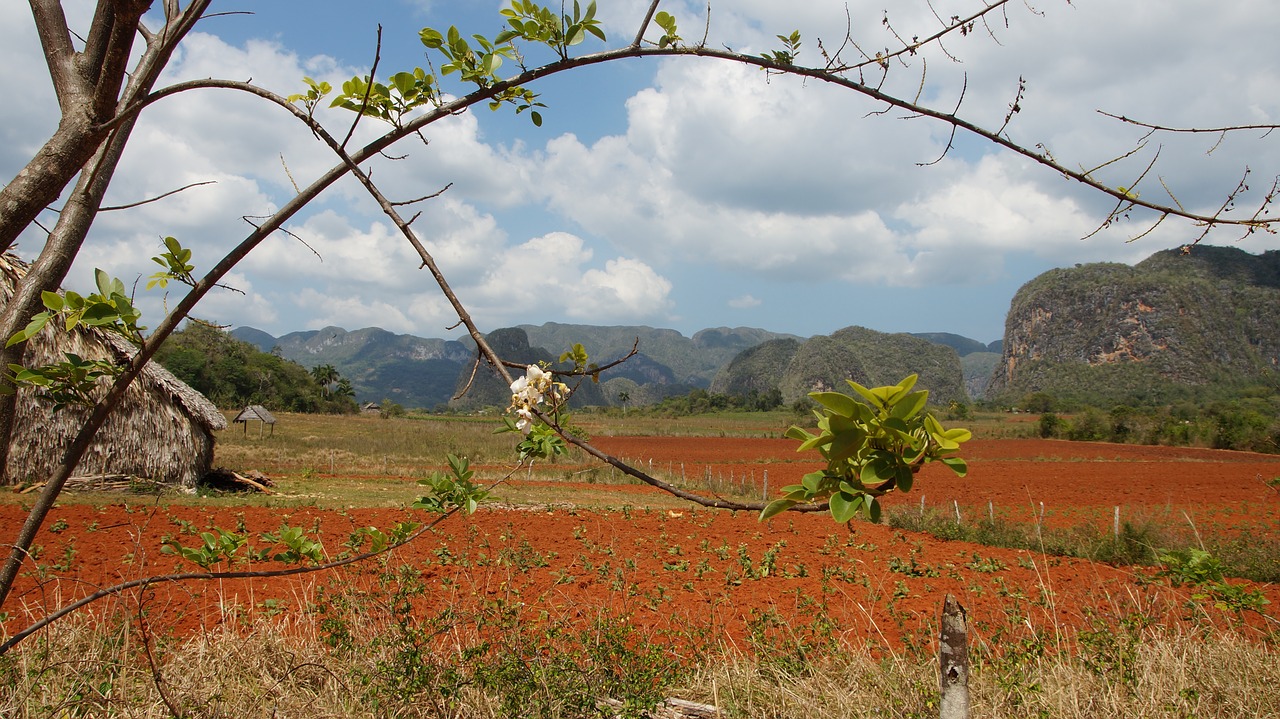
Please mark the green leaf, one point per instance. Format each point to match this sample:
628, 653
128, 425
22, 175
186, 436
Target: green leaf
838, 402
905, 479
882, 468
847, 444
776, 507
873, 510
844, 506
910, 405
405, 83
797, 433
875, 400
103, 281
957, 465
429, 37
33, 328
907, 383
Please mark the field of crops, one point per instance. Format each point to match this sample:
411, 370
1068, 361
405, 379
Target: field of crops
568, 548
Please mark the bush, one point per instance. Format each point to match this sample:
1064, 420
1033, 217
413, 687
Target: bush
1090, 426
1050, 425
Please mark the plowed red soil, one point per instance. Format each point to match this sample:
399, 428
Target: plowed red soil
701, 569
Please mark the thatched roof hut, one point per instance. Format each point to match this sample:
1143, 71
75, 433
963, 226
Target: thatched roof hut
163, 429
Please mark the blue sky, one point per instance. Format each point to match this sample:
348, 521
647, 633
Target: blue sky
683, 193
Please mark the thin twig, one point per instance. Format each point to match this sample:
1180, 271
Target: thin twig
157, 198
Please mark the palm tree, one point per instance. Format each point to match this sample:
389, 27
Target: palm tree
344, 388
324, 376
623, 398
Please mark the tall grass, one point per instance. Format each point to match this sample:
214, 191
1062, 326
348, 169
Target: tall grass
359, 655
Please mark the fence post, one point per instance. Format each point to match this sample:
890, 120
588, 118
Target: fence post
953, 662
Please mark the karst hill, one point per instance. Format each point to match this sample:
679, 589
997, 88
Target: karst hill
1199, 324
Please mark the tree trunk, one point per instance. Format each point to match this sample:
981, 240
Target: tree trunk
114, 26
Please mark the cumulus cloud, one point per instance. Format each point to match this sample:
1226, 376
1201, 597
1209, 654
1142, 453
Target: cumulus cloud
550, 275
715, 170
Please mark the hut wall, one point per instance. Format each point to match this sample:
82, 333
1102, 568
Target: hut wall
148, 435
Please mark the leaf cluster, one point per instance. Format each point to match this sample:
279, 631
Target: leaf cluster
874, 442
790, 49
670, 37
311, 98
534, 23
288, 545
454, 490
405, 92
1205, 574
109, 308
582, 364
216, 546
176, 261
69, 382
74, 380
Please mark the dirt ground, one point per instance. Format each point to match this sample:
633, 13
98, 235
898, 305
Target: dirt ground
723, 573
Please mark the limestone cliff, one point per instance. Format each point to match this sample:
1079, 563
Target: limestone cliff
1175, 325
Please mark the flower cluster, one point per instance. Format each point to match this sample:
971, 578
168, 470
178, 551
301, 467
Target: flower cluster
531, 390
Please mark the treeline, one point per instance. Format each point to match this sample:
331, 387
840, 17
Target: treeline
1248, 423
700, 401
234, 374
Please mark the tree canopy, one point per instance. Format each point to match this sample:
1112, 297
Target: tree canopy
235, 374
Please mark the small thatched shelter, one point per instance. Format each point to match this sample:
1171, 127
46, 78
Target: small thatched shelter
163, 429
256, 413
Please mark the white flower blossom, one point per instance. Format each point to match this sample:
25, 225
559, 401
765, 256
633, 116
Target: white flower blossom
529, 391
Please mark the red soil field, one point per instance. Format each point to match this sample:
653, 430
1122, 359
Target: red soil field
716, 572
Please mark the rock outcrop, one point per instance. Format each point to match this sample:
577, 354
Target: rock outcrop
1169, 327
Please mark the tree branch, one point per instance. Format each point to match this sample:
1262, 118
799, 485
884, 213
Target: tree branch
157, 198
644, 24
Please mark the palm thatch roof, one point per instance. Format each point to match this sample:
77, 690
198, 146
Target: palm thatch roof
255, 412
163, 429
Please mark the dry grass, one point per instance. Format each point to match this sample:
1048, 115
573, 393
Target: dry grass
275, 669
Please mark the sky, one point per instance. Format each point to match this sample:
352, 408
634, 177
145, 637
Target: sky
682, 192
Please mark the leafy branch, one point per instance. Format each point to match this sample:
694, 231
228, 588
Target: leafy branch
873, 443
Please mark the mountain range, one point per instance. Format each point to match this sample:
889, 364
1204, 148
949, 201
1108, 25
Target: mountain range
431, 372
1197, 323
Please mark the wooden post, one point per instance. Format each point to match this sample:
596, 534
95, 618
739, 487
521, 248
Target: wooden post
953, 661
766, 485
1115, 524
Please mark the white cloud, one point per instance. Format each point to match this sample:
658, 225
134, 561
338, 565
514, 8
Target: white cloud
548, 276
630, 288
718, 171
